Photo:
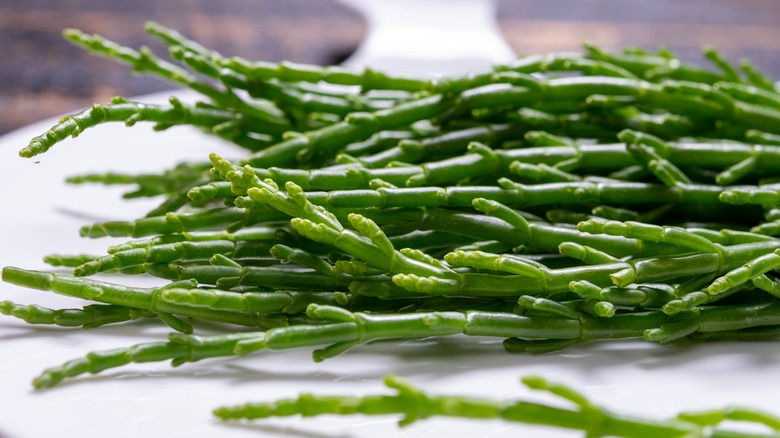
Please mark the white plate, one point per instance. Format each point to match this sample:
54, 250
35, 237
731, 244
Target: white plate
41, 215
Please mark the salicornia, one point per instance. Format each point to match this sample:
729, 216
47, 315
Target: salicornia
554, 200
579, 414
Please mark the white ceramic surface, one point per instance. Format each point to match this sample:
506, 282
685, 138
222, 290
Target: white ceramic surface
41, 215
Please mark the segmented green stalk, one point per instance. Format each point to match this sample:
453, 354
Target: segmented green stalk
143, 299
343, 330
164, 116
145, 61
580, 413
93, 315
257, 232
171, 252
229, 217
294, 302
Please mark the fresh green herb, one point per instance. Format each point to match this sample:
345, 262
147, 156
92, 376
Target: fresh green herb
581, 414
555, 200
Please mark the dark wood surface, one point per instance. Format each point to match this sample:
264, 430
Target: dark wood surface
41, 75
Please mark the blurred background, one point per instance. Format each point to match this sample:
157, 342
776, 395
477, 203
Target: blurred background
41, 75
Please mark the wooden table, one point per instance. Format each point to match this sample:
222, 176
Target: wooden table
41, 75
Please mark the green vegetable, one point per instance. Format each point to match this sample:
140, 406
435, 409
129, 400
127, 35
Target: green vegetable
580, 414
555, 200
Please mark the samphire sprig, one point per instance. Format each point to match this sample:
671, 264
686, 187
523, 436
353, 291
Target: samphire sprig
541, 326
579, 414
555, 200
